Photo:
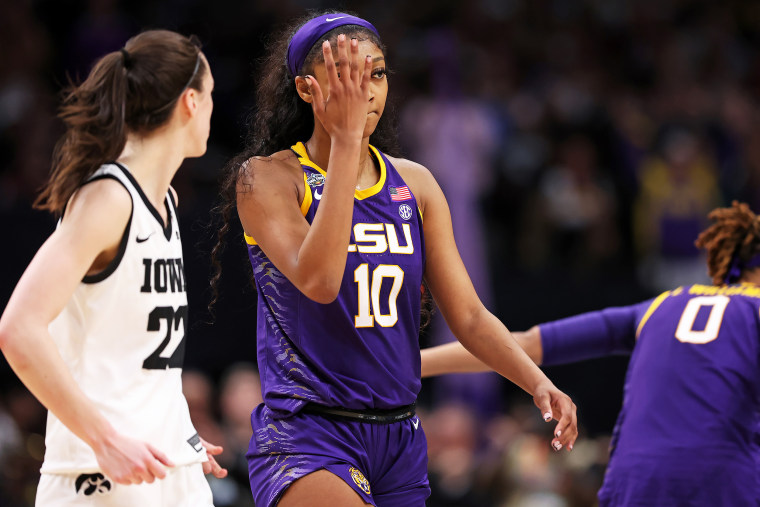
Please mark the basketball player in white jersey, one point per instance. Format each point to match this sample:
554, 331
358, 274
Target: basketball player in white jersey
95, 328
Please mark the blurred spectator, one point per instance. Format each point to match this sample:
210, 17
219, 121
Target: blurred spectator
678, 189
239, 394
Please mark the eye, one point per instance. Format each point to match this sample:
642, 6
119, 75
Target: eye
379, 73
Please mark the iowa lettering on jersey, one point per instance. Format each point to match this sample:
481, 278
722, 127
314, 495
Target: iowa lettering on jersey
163, 275
379, 238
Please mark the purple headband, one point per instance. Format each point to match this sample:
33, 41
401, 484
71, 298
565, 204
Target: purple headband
313, 30
737, 266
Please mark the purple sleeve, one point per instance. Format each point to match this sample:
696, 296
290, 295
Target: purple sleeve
593, 334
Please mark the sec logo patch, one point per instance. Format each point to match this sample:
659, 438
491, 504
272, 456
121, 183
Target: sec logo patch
359, 479
405, 211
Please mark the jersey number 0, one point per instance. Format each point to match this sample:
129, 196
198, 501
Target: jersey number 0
685, 331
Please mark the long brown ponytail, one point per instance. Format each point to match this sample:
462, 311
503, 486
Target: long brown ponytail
731, 241
130, 90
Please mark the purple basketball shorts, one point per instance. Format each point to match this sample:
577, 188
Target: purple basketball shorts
386, 464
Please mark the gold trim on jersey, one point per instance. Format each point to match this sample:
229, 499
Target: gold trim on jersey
305, 205
655, 304
304, 159
744, 289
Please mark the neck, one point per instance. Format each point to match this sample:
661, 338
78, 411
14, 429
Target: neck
318, 148
750, 276
153, 161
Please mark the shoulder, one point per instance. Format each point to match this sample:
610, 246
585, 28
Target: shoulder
106, 195
419, 179
415, 175
271, 168
100, 208
409, 169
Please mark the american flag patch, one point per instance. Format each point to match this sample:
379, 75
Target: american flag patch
400, 193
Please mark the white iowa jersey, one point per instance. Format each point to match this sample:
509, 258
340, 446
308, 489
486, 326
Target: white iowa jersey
122, 335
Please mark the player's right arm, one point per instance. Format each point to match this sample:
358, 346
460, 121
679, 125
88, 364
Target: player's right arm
86, 239
585, 336
313, 257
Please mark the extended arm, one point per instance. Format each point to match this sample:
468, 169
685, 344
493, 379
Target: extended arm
585, 336
480, 332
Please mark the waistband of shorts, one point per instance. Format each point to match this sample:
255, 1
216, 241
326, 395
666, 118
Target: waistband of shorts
375, 416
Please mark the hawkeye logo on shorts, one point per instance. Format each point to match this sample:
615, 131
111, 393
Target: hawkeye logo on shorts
359, 479
89, 484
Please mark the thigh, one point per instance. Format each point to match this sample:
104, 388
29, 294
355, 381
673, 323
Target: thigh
283, 451
320, 489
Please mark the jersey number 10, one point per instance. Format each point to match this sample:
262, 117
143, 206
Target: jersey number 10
370, 293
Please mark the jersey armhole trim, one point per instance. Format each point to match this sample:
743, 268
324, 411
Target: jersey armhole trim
111, 267
652, 307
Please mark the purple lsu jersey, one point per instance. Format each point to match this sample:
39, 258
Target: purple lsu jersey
361, 351
686, 434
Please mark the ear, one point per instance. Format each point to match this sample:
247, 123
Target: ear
189, 101
303, 89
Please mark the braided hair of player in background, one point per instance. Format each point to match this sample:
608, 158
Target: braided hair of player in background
734, 239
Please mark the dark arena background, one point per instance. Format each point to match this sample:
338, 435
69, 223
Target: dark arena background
580, 144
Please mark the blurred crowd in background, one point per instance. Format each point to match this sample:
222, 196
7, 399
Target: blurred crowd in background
580, 143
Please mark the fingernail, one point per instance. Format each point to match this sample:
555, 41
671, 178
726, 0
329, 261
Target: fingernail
558, 434
354, 42
341, 37
569, 447
557, 446
548, 416
326, 44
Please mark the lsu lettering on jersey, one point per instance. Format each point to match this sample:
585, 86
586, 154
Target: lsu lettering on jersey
122, 335
360, 351
687, 431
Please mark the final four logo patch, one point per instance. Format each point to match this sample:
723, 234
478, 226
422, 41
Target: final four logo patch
359, 479
315, 180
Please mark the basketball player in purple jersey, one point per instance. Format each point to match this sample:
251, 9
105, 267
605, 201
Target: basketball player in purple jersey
339, 251
686, 434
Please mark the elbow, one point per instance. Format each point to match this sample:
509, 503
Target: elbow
7, 338
322, 290
6, 334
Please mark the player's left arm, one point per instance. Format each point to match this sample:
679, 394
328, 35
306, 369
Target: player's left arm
479, 331
454, 358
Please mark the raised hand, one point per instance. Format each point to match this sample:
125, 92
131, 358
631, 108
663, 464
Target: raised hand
344, 111
129, 461
554, 404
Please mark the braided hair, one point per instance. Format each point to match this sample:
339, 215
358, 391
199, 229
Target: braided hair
731, 241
